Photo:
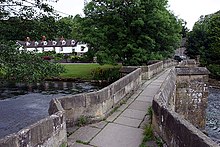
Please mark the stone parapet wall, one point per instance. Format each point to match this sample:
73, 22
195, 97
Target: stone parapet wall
48, 132
96, 105
171, 126
192, 94
150, 71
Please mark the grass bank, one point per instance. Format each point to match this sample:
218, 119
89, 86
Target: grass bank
81, 71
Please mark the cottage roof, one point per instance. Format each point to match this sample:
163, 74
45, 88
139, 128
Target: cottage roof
50, 43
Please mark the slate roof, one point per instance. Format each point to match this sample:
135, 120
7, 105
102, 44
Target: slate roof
54, 43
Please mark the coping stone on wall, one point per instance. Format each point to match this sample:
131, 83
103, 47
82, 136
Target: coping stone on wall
192, 71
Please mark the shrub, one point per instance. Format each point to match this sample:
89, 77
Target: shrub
110, 74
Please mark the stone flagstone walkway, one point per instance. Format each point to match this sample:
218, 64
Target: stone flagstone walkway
124, 128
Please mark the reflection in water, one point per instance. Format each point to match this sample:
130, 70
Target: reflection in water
213, 115
13, 90
22, 105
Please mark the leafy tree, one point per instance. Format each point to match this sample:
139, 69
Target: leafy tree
25, 8
130, 31
204, 40
25, 67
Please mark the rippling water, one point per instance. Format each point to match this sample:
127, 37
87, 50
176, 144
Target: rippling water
213, 115
22, 105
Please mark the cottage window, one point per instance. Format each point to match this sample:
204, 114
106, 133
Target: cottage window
63, 42
73, 42
45, 43
36, 43
54, 42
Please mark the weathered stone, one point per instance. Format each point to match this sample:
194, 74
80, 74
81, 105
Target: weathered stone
128, 121
113, 116
115, 135
145, 98
99, 125
136, 114
84, 134
140, 105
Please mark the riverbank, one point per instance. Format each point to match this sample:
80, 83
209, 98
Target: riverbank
82, 71
214, 83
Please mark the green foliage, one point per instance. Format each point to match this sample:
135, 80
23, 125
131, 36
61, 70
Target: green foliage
81, 71
148, 133
204, 40
215, 69
25, 9
25, 67
128, 32
63, 145
150, 113
82, 120
106, 74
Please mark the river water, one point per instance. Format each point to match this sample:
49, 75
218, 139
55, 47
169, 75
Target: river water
213, 114
22, 105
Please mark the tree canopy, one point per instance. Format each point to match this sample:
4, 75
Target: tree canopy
204, 40
27, 9
131, 32
25, 67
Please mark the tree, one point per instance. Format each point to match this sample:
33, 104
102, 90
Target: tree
25, 67
204, 40
25, 8
131, 32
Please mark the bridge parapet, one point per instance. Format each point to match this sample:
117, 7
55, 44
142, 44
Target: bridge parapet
175, 130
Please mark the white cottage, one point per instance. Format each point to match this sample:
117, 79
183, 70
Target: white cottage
59, 46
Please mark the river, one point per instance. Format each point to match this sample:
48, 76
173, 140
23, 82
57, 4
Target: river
213, 114
22, 105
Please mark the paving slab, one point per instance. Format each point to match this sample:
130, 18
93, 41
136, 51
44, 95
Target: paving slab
145, 98
150, 91
128, 121
115, 135
84, 134
79, 145
136, 94
146, 121
123, 107
99, 125
140, 105
135, 114
113, 116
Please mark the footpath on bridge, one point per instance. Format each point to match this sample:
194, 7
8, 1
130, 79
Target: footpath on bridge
124, 128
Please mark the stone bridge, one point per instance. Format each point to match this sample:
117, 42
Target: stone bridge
117, 114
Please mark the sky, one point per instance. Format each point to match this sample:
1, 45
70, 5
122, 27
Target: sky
188, 10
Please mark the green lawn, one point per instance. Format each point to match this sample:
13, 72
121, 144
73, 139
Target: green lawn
81, 71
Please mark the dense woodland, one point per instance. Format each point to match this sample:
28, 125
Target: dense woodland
117, 31
204, 41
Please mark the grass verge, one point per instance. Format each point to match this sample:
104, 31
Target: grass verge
81, 71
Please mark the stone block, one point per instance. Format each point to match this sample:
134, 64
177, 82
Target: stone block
9, 141
135, 114
74, 101
145, 98
128, 121
140, 105
84, 134
99, 125
115, 135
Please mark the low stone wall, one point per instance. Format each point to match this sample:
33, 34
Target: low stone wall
151, 70
171, 126
48, 132
168, 63
97, 105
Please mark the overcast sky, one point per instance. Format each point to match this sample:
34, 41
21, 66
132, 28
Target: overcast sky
189, 10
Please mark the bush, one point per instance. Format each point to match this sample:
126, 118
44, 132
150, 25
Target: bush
106, 74
215, 70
